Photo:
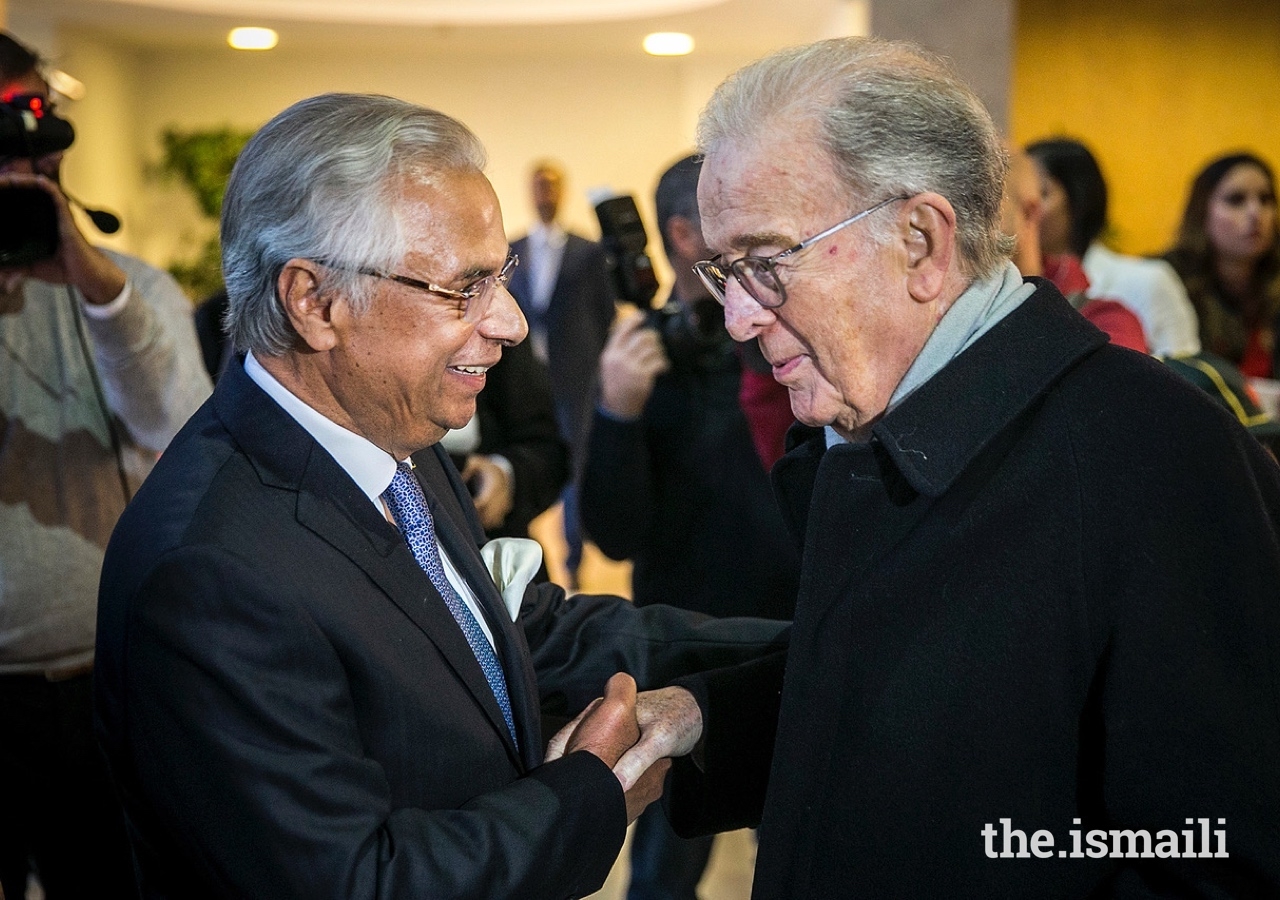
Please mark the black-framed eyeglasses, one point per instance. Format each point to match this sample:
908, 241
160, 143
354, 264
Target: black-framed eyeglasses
472, 300
758, 275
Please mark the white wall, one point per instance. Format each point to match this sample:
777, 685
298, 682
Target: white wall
614, 123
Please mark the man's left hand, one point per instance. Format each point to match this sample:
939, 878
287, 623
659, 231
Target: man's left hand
492, 490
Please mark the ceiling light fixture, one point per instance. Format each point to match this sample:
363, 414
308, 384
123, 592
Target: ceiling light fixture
668, 43
252, 38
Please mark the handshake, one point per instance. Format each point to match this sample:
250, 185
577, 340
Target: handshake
635, 735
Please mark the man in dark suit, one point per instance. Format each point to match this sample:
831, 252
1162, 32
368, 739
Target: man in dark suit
313, 681
563, 289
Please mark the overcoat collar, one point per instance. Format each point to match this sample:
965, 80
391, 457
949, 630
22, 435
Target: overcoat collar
937, 431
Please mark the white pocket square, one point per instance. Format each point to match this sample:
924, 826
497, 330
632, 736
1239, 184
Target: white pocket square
512, 562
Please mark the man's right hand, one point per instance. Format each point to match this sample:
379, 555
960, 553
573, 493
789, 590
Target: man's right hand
632, 359
608, 727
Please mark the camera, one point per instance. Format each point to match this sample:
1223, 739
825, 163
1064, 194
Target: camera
693, 336
28, 219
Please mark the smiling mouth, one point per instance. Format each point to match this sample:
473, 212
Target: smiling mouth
470, 370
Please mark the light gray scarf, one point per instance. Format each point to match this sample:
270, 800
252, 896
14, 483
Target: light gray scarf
982, 305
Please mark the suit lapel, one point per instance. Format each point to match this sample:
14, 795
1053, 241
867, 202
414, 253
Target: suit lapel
331, 505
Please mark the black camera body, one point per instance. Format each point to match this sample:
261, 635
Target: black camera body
28, 218
693, 336
28, 226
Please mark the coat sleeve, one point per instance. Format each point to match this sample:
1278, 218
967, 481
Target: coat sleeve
725, 788
251, 756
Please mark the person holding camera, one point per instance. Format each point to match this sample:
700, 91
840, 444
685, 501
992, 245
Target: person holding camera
99, 368
671, 480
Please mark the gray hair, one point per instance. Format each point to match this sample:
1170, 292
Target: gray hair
895, 120
320, 181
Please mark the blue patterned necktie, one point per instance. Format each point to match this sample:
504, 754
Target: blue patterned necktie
408, 506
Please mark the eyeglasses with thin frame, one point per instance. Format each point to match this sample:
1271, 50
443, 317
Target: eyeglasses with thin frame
472, 300
758, 275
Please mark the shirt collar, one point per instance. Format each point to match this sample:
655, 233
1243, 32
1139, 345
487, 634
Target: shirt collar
369, 466
551, 236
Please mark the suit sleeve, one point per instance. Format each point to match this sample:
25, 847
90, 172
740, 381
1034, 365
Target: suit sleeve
517, 421
616, 493
252, 757
577, 643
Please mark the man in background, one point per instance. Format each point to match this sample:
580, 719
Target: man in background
562, 286
99, 368
672, 481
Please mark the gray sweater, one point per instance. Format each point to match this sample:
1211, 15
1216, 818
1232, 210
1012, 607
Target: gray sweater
60, 494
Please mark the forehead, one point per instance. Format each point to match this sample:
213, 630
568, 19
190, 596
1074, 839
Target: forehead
1245, 175
451, 221
547, 177
759, 192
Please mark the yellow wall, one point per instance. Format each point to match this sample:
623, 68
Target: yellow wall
1156, 88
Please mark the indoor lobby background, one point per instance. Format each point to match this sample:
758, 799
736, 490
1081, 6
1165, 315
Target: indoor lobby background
1155, 87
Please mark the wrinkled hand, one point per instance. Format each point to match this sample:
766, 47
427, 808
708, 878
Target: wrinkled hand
608, 727
494, 494
670, 725
631, 361
77, 262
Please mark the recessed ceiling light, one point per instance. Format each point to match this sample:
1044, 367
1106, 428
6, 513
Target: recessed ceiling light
252, 38
668, 43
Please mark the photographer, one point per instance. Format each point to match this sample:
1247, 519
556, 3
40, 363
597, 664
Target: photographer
672, 481
99, 368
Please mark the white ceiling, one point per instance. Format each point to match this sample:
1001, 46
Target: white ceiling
471, 27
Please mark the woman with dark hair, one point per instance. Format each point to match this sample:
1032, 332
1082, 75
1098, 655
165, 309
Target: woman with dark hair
1074, 199
1228, 256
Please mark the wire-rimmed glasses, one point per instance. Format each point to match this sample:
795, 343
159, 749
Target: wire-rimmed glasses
472, 301
758, 275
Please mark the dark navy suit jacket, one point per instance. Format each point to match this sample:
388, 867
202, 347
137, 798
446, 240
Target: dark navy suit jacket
289, 709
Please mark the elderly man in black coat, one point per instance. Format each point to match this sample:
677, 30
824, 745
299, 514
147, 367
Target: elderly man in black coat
1035, 645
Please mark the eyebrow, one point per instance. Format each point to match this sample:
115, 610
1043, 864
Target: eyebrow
475, 273
760, 239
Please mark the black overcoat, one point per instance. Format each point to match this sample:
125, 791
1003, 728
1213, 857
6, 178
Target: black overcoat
1048, 591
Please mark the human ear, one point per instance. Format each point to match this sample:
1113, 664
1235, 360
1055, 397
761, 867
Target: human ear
930, 245
310, 310
685, 236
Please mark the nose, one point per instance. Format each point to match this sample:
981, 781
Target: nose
503, 321
744, 317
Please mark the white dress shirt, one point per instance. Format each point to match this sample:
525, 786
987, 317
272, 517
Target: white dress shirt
1152, 291
370, 467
